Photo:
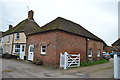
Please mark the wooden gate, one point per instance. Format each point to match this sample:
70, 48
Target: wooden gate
69, 60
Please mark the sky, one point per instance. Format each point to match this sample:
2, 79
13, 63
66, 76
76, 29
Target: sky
98, 16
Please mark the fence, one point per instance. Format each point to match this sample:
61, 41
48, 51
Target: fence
116, 67
69, 60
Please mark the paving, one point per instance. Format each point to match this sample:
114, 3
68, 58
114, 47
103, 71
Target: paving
12, 68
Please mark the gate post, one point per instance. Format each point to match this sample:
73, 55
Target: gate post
66, 60
115, 66
61, 60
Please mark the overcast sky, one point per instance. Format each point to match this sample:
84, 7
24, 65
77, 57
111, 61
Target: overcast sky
98, 16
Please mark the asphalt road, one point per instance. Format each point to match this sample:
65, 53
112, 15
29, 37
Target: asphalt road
12, 68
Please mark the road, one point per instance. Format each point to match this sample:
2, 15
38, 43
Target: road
12, 68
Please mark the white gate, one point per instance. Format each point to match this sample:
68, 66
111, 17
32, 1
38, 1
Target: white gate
69, 60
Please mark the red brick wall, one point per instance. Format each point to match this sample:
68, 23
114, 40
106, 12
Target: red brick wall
49, 39
70, 43
95, 45
60, 42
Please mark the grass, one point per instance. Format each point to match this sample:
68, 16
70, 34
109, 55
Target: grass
90, 63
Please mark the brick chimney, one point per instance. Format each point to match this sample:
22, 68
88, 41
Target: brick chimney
30, 14
10, 26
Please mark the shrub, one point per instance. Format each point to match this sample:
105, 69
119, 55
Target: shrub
7, 56
89, 63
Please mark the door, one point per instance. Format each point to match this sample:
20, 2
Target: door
22, 51
31, 52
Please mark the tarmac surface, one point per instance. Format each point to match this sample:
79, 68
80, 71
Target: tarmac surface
12, 68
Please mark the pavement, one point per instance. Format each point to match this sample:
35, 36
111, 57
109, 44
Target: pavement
12, 68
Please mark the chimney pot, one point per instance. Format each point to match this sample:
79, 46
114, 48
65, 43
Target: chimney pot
30, 14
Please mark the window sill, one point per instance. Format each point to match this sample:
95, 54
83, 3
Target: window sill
98, 55
90, 56
43, 54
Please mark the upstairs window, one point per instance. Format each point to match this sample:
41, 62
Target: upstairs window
2, 40
90, 51
43, 49
98, 53
8, 38
17, 36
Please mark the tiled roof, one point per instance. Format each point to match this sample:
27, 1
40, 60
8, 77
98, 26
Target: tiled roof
116, 43
68, 26
25, 26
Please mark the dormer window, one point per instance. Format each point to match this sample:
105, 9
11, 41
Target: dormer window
17, 36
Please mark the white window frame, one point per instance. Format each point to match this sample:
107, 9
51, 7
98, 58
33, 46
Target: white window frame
17, 36
15, 48
2, 40
42, 52
98, 53
90, 51
8, 38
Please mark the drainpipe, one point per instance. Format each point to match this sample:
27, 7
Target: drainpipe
86, 48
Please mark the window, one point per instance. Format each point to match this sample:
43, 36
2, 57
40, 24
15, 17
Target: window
90, 52
32, 49
2, 40
17, 36
8, 38
23, 48
98, 53
17, 48
43, 49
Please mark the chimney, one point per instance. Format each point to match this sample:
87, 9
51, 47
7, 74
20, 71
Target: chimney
10, 26
30, 14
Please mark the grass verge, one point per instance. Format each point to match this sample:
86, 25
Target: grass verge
90, 63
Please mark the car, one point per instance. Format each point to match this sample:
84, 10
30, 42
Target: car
106, 56
112, 54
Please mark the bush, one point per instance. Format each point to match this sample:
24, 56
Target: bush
89, 63
7, 56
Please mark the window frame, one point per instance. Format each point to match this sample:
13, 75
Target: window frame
98, 53
2, 40
8, 38
18, 36
15, 48
41, 49
90, 50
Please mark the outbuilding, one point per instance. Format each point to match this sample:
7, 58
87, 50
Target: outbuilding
59, 36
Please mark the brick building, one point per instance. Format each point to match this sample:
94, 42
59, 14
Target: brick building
116, 45
59, 36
